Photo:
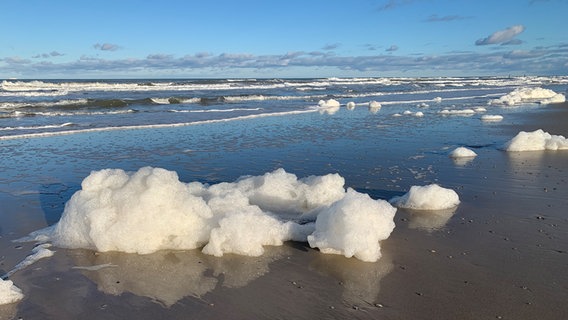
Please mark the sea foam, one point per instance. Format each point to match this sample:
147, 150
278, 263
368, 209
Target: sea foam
529, 95
353, 226
9, 293
430, 197
462, 152
535, 141
151, 210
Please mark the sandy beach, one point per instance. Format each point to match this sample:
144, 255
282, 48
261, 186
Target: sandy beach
501, 254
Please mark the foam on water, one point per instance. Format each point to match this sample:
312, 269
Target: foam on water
529, 95
535, 141
151, 210
462, 152
330, 106
429, 197
462, 112
491, 117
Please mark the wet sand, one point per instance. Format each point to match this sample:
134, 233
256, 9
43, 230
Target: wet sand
501, 254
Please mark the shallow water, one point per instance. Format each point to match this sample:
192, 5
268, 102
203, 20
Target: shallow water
48, 107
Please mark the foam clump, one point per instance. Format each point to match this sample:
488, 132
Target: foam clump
353, 226
491, 117
529, 95
151, 210
142, 212
535, 141
9, 293
462, 152
374, 106
430, 197
330, 106
350, 105
463, 112
331, 103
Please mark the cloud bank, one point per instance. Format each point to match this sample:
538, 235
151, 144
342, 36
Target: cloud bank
502, 36
539, 61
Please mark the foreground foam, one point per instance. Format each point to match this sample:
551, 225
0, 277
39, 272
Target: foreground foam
354, 226
535, 141
430, 197
151, 210
9, 293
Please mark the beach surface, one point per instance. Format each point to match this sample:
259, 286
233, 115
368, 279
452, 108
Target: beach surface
501, 254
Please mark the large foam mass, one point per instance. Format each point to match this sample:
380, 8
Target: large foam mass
9, 293
430, 197
529, 95
151, 210
146, 211
353, 226
535, 141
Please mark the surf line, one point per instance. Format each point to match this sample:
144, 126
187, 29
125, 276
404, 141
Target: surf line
152, 126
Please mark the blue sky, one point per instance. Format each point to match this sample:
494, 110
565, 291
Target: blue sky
292, 38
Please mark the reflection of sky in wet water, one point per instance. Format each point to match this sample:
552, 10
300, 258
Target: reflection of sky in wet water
360, 281
168, 276
429, 220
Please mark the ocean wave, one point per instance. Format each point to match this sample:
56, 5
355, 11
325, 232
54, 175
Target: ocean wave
216, 110
52, 126
54, 88
58, 103
39, 88
22, 114
175, 100
152, 126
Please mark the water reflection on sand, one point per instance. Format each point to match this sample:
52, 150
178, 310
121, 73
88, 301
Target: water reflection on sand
168, 276
360, 280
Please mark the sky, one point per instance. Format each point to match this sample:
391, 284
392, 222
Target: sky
294, 38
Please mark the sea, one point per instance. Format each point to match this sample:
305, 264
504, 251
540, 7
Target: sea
39, 108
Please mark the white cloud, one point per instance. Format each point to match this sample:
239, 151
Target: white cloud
436, 18
16, 60
502, 36
331, 46
106, 47
159, 56
48, 55
392, 48
391, 4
